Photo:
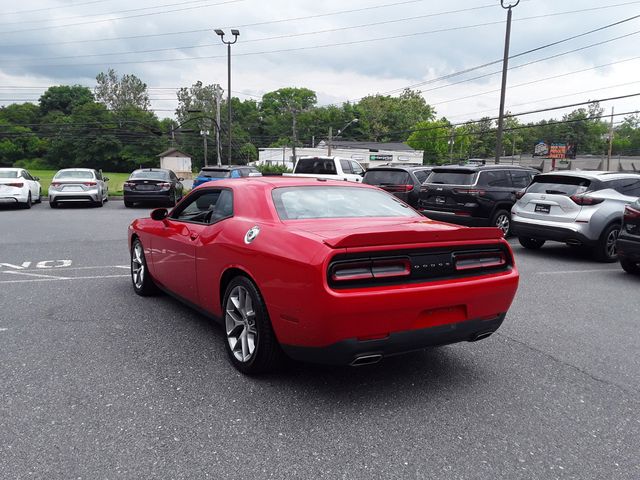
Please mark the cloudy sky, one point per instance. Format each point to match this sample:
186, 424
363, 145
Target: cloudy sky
342, 50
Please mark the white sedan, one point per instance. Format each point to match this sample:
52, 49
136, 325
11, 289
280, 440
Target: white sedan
17, 186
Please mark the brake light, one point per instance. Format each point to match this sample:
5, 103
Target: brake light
370, 269
398, 188
586, 200
89, 184
16, 184
165, 185
128, 184
520, 194
474, 192
55, 184
631, 213
474, 261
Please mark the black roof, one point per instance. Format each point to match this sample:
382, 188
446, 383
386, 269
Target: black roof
402, 167
479, 168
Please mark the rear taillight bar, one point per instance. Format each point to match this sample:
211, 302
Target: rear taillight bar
16, 184
473, 261
474, 192
520, 194
585, 200
397, 188
89, 184
370, 269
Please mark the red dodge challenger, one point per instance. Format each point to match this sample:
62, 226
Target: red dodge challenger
322, 271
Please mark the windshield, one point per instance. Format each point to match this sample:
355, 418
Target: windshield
152, 175
73, 174
387, 177
337, 202
214, 173
324, 166
558, 185
8, 174
452, 177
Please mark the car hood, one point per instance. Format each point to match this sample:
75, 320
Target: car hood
347, 233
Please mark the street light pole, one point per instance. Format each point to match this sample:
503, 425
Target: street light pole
235, 34
355, 120
505, 66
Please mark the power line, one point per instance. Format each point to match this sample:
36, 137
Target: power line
58, 7
50, 27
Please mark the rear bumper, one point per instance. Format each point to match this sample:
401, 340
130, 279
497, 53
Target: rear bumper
549, 232
628, 249
151, 196
80, 196
347, 351
450, 217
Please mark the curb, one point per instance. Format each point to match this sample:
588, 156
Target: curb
46, 199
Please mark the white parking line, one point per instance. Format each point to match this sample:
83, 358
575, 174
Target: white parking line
560, 272
51, 279
71, 268
3, 329
11, 272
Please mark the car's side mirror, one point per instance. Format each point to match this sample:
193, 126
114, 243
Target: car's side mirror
159, 214
180, 179
105, 179
36, 179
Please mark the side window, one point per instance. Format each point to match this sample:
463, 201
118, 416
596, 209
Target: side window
495, 178
173, 176
421, 175
520, 179
626, 186
235, 173
357, 169
25, 175
98, 174
346, 166
208, 207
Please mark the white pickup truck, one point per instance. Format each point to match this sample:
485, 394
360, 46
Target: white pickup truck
334, 168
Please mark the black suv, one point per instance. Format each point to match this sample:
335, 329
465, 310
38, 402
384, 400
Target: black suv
628, 243
474, 195
404, 181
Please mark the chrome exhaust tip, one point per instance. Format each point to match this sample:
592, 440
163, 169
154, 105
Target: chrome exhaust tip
366, 360
482, 335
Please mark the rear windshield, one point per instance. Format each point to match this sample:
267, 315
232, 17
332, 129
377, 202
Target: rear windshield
8, 174
215, 173
337, 202
386, 177
558, 185
152, 175
73, 174
316, 165
452, 177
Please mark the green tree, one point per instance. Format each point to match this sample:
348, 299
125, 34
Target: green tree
433, 139
64, 98
121, 93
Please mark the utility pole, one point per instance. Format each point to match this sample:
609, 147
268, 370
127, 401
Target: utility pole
295, 134
218, 95
610, 141
329, 142
204, 134
451, 141
505, 67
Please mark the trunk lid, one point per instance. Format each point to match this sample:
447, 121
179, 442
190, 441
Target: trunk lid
450, 190
548, 198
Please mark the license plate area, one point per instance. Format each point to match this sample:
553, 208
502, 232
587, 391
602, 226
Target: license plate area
540, 208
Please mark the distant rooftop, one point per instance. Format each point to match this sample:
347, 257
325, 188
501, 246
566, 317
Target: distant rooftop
371, 146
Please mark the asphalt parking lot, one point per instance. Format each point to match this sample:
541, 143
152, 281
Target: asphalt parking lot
96, 382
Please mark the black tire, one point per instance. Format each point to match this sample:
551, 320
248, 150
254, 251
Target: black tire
100, 202
266, 355
605, 250
28, 204
143, 284
128, 204
173, 199
531, 243
629, 266
53, 204
502, 220
39, 199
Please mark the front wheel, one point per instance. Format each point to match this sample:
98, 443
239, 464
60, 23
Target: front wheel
605, 250
143, 284
39, 199
630, 267
28, 203
530, 243
251, 343
128, 204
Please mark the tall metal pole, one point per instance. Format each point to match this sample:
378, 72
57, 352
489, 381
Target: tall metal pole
610, 141
229, 97
218, 94
330, 140
204, 136
505, 66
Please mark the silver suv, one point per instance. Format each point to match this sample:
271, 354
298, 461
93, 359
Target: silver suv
576, 208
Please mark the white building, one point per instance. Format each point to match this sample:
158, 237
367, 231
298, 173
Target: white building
368, 154
179, 162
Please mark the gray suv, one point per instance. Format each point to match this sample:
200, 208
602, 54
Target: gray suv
578, 208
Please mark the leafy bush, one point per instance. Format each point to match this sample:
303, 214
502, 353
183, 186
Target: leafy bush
271, 169
33, 164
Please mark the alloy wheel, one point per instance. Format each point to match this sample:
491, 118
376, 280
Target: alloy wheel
502, 222
240, 323
137, 266
610, 244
